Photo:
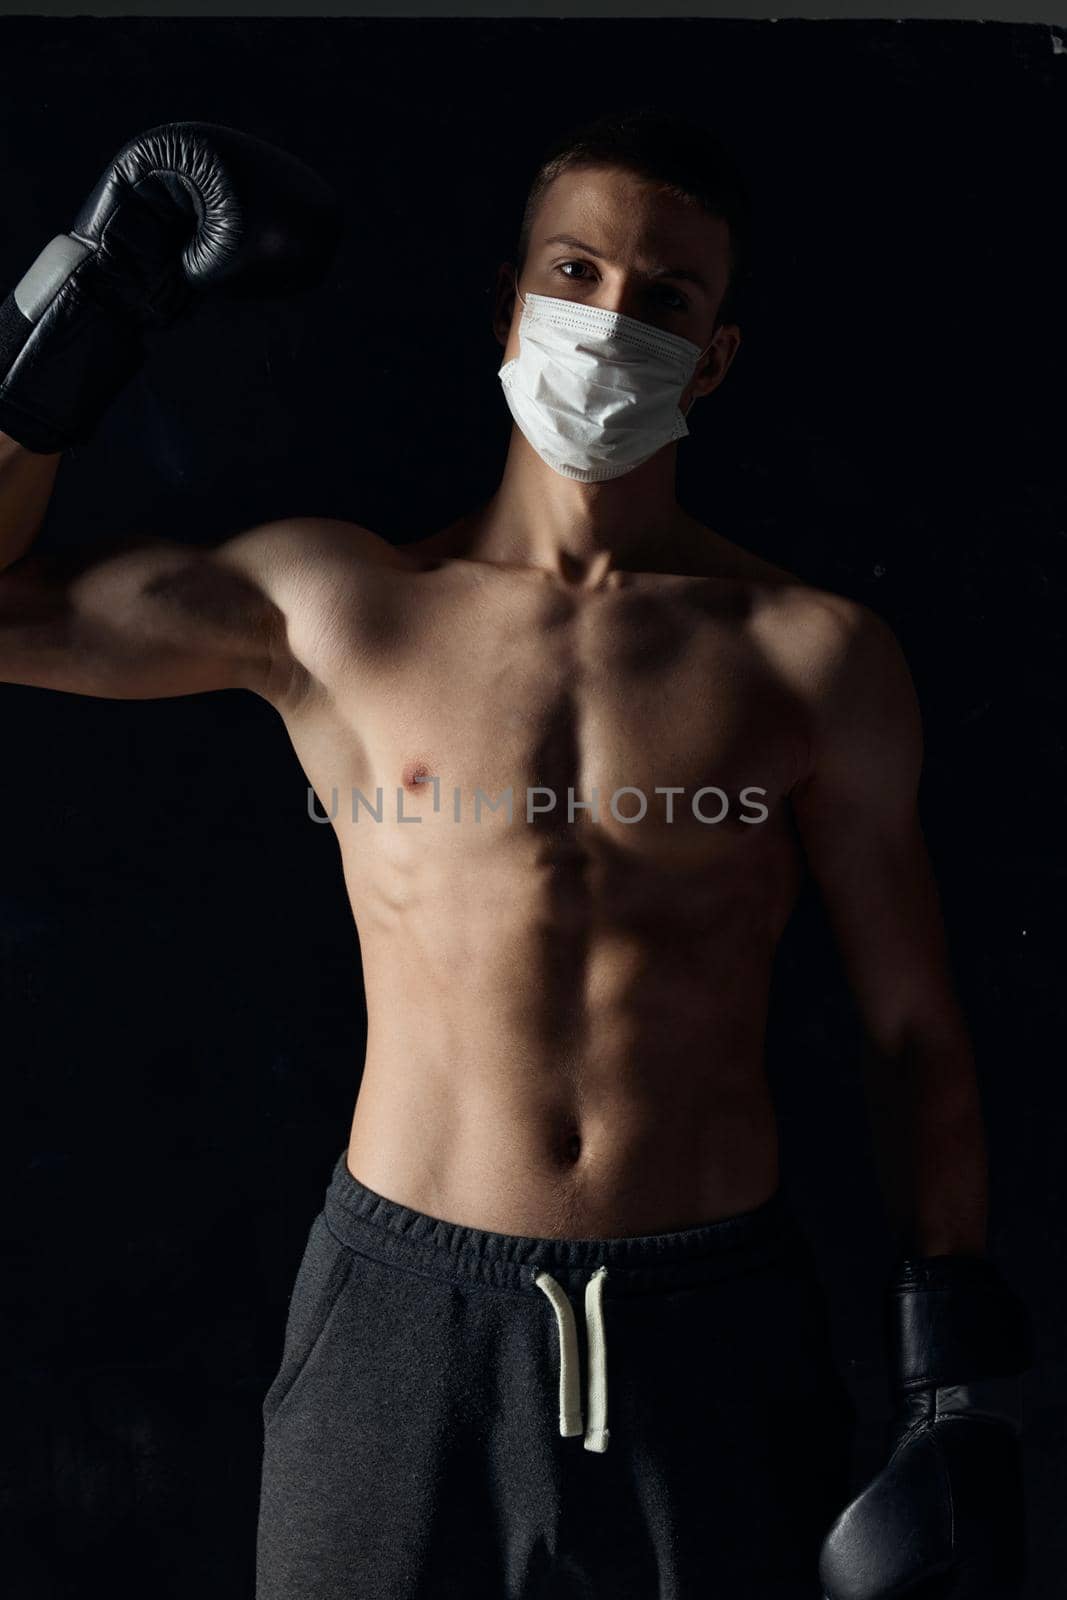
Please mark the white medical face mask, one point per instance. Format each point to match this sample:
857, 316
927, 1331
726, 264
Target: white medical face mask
594, 392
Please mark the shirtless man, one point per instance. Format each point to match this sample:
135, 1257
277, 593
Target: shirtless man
563, 1103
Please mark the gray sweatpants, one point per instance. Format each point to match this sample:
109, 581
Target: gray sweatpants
466, 1414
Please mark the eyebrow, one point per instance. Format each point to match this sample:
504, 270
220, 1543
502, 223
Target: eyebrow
685, 273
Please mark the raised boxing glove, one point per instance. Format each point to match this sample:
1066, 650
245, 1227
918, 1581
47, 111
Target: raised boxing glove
184, 208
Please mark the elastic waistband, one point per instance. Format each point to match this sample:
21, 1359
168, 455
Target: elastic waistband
646, 1263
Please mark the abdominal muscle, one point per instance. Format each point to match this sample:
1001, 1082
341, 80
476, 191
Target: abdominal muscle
536, 1067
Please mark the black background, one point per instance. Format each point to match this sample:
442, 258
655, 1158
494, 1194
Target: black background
182, 1010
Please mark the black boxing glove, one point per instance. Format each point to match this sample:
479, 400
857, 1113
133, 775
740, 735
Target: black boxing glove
183, 208
944, 1520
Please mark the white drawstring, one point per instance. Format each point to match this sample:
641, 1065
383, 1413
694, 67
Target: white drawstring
570, 1402
596, 1434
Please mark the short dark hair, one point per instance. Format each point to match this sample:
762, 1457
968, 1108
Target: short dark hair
690, 160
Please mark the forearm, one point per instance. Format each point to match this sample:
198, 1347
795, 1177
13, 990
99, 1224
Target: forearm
930, 1141
26, 483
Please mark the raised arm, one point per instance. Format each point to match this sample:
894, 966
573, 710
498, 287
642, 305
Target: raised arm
149, 620
858, 819
182, 211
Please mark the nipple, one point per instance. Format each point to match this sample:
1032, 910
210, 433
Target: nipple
416, 775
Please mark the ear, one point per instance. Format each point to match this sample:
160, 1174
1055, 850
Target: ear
715, 364
504, 301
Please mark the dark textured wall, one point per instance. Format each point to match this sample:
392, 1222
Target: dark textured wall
182, 1013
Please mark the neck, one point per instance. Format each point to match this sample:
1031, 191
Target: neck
579, 531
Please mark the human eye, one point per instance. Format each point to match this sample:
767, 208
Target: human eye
574, 278
672, 299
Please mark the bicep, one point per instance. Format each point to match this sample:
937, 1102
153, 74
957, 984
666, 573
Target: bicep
145, 622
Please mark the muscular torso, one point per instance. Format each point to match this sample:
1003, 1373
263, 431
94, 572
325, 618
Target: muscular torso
565, 1011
